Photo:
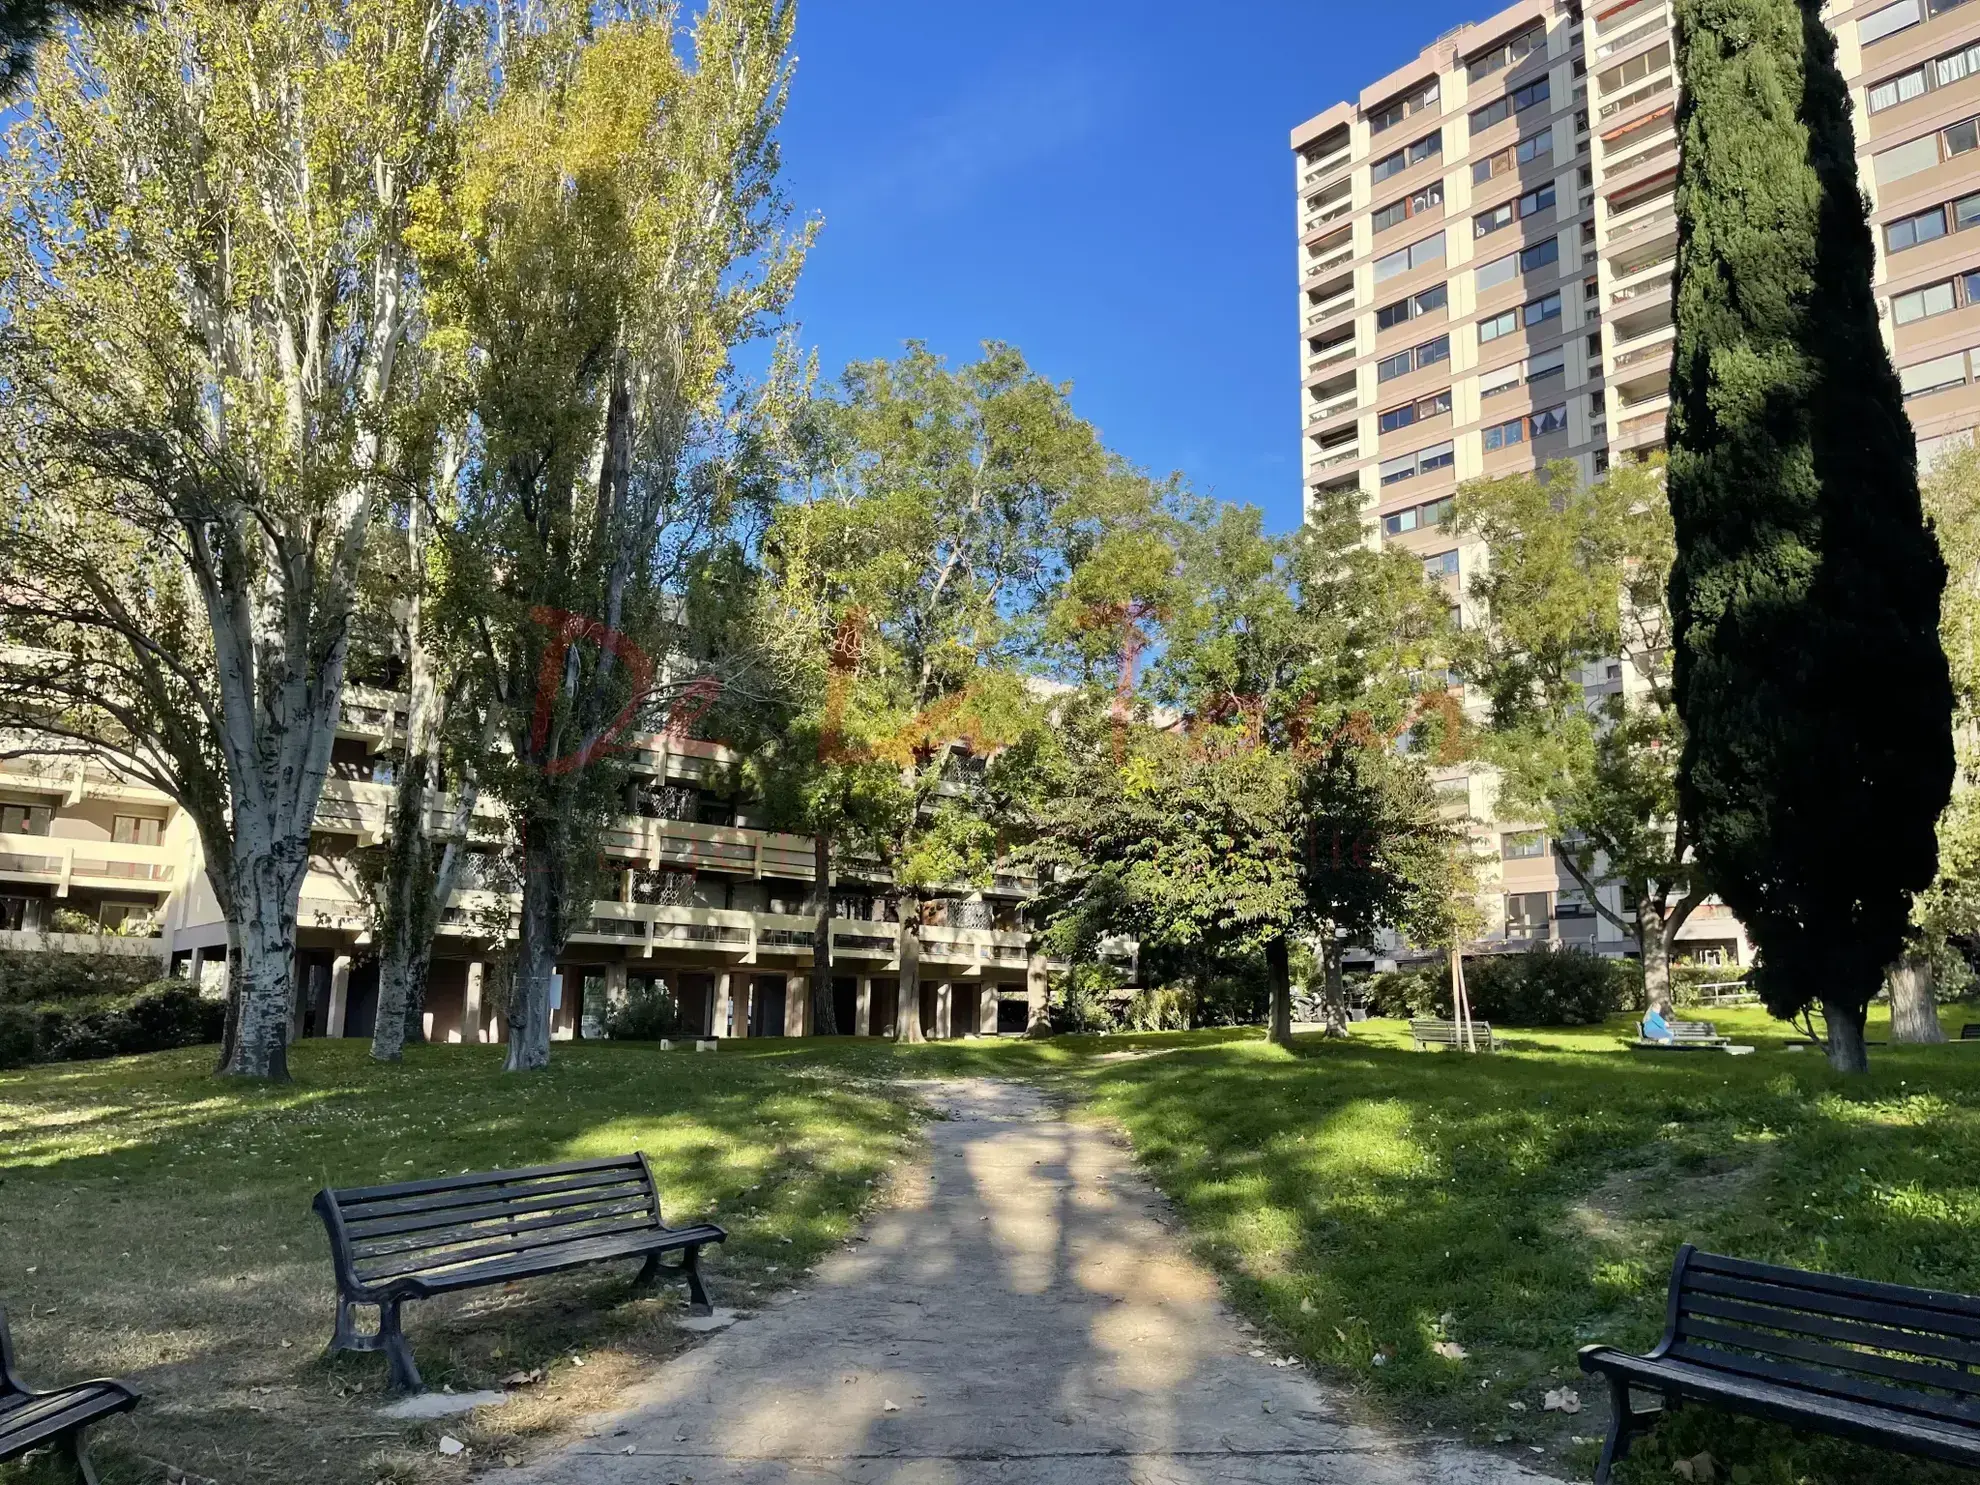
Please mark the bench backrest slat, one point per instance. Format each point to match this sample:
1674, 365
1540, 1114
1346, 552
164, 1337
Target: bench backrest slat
1970, 1032
363, 1228
616, 1216
1889, 1344
1684, 1030
380, 1233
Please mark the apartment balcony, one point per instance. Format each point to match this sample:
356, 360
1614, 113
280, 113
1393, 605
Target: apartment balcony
775, 940
1331, 308
1335, 455
1330, 408
1328, 165
1334, 257
1331, 355
1620, 177
1641, 431
1655, 90
1647, 29
60, 861
1653, 357
1660, 219
1646, 291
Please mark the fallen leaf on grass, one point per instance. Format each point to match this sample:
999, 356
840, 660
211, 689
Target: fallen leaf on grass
523, 1379
1702, 1469
890, 1406
1562, 1400
1450, 1350
450, 1446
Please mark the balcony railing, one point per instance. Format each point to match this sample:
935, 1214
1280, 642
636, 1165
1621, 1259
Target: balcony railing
1660, 284
1326, 309
1665, 215
1340, 350
64, 859
1662, 83
1344, 456
1643, 356
1332, 407
1327, 165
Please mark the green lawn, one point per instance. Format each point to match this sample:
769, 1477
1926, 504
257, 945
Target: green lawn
155, 1222
1366, 1202
1362, 1200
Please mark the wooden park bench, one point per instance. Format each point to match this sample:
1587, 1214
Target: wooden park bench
1450, 1034
1687, 1036
1970, 1032
30, 1419
1881, 1363
421, 1238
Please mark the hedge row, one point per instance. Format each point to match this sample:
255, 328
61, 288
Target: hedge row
154, 1018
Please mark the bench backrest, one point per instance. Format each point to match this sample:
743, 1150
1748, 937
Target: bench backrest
1693, 1030
1970, 1032
1888, 1344
10, 1383
1447, 1031
379, 1233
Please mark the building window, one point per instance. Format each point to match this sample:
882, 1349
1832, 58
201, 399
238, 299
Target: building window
1541, 310
134, 830
1416, 255
1888, 21
1955, 65
1442, 565
1419, 517
1513, 156
1936, 375
1407, 106
1432, 406
1499, 324
1900, 89
1507, 54
1397, 212
1922, 304
1595, 346
1549, 420
24, 819
1415, 359
1409, 466
1598, 404
1505, 435
1391, 315
1402, 159
1908, 232
1501, 109
1523, 845
1540, 255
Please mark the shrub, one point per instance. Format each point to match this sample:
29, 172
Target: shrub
1403, 993
647, 1014
1546, 987
156, 1018
1083, 999
28, 976
16, 1036
1169, 1008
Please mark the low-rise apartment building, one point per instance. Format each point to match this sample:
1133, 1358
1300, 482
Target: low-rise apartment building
718, 909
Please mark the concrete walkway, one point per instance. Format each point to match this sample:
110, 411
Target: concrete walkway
1025, 1319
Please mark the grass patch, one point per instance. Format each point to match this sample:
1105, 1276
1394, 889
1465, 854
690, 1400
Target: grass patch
155, 1224
1360, 1199
1366, 1203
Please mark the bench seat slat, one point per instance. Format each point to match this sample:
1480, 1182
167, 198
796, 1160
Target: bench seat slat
556, 1259
543, 1235
1948, 1441
1861, 1374
1794, 1278
414, 1197
1848, 1332
37, 1420
1840, 1303
365, 1231
487, 1229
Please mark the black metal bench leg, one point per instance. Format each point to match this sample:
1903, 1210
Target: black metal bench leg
77, 1454
404, 1374
1625, 1424
697, 1294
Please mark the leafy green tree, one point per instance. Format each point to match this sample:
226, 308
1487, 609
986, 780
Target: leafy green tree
1576, 581
1805, 591
614, 233
1285, 806
921, 534
208, 383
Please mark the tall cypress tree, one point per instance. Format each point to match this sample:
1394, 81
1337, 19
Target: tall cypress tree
1805, 595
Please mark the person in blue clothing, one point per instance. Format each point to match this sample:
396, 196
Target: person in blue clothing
1655, 1027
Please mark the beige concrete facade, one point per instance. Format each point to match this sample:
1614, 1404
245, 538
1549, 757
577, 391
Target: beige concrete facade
706, 901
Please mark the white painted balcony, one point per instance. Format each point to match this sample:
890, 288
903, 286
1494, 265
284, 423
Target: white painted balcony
1334, 258
62, 860
1326, 309
1333, 407
1333, 458
1340, 350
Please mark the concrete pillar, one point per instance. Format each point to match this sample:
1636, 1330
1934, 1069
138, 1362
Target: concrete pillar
340, 995
797, 1005
718, 1012
471, 1014
1038, 1015
863, 1008
945, 996
986, 1009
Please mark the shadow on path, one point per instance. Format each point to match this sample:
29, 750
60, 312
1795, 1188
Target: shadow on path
1024, 1318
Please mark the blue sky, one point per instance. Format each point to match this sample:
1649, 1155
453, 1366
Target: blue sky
1105, 185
